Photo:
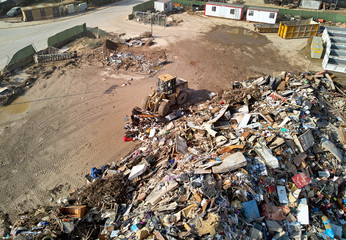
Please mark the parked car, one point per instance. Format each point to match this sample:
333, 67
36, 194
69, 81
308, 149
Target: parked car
14, 12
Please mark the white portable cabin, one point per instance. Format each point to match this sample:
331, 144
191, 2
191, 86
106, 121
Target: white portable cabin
163, 5
262, 15
223, 10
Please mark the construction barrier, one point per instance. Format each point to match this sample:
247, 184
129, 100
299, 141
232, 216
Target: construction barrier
316, 47
189, 4
142, 7
22, 57
327, 16
97, 32
298, 29
26, 55
148, 18
66, 36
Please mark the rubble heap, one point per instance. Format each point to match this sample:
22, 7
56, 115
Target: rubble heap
130, 55
264, 160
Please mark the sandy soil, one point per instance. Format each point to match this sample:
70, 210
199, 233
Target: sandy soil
72, 120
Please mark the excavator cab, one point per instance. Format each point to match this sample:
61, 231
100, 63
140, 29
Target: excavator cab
170, 91
166, 83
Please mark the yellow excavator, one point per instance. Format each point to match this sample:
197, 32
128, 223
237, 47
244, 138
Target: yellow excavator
170, 91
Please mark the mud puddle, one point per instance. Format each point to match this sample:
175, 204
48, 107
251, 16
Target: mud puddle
229, 35
20, 105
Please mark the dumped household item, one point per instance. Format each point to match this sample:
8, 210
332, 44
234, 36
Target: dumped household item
298, 29
73, 211
137, 171
230, 163
170, 91
316, 47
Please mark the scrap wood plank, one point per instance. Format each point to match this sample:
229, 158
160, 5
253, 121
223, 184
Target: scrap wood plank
156, 195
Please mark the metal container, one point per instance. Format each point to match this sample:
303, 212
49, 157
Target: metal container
267, 28
298, 29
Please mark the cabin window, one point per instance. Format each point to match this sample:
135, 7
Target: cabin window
232, 11
213, 9
251, 13
271, 15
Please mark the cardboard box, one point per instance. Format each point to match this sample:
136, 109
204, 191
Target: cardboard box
74, 211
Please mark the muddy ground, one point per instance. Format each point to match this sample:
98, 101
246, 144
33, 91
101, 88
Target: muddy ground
224, 55
72, 119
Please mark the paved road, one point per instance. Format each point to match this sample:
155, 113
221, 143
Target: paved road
15, 36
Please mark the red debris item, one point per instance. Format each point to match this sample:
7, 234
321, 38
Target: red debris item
301, 180
271, 189
276, 96
127, 139
322, 72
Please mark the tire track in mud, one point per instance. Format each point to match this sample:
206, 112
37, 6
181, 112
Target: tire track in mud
72, 144
67, 133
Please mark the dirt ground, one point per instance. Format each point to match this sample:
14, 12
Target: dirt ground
72, 119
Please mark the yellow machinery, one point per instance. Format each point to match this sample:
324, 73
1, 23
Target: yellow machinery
170, 91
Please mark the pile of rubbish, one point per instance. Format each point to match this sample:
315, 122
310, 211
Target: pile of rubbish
264, 160
125, 55
130, 61
13, 85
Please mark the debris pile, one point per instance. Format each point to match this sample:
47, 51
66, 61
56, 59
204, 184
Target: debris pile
264, 160
14, 85
126, 55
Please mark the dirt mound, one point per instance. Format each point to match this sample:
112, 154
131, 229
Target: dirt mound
110, 190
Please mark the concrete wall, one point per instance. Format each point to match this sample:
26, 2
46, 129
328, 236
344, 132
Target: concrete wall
65, 36
25, 55
142, 7
21, 58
